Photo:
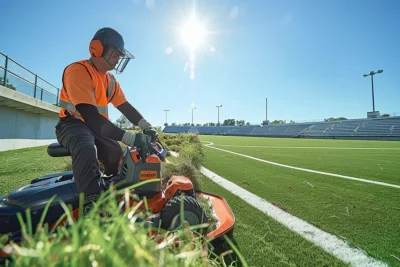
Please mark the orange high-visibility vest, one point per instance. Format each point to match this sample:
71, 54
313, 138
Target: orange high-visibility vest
103, 95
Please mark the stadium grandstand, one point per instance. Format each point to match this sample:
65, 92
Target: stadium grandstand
368, 128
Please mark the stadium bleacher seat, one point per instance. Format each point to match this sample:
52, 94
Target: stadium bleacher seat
380, 127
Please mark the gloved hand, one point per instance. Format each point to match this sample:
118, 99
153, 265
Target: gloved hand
131, 139
147, 129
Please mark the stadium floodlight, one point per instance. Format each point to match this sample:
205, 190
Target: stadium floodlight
166, 117
193, 108
372, 73
218, 106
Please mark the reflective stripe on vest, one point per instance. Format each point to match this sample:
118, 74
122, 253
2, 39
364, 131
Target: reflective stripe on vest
110, 86
68, 106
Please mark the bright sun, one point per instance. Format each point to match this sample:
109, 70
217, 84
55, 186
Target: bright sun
193, 34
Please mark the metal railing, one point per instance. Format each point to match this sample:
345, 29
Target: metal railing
16, 77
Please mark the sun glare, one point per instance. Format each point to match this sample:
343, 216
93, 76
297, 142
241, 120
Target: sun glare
193, 34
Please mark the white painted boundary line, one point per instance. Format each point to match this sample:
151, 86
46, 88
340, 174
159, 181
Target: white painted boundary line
319, 147
326, 241
210, 145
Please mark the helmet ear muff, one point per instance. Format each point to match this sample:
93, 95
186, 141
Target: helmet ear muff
96, 48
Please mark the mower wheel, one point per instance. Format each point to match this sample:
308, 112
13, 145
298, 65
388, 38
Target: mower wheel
193, 213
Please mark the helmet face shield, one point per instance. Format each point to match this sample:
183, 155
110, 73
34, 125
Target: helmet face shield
123, 61
117, 59
114, 51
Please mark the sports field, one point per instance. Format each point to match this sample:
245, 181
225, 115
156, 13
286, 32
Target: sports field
350, 189
347, 188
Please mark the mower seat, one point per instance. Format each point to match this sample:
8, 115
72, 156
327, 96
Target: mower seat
57, 150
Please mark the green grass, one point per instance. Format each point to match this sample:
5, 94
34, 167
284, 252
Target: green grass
262, 141
20, 166
265, 242
119, 240
114, 240
378, 165
366, 215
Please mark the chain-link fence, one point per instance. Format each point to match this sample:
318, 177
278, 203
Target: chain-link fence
20, 79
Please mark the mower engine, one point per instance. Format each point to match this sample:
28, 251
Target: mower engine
136, 166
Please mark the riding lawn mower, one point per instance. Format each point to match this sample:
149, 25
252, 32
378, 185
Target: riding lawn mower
137, 164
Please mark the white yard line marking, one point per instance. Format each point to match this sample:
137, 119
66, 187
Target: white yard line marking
318, 147
326, 241
210, 145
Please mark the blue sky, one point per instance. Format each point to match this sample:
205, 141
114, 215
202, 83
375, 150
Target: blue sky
307, 57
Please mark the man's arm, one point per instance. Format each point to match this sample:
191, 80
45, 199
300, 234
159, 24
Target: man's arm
101, 126
98, 123
119, 101
130, 112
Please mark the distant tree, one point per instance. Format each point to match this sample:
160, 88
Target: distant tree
8, 84
209, 124
247, 123
173, 124
229, 122
278, 122
385, 115
335, 119
186, 124
240, 122
292, 121
198, 124
121, 121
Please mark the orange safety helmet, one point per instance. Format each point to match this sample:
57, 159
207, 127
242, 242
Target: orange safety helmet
108, 38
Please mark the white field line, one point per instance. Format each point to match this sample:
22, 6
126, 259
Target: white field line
326, 241
210, 145
319, 147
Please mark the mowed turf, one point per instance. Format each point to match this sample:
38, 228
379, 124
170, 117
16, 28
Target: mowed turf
265, 242
365, 215
262, 241
374, 164
20, 166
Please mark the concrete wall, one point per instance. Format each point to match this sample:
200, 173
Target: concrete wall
25, 121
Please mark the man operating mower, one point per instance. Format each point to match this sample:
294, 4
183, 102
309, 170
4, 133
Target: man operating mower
84, 128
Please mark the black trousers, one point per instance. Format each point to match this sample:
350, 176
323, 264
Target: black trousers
86, 149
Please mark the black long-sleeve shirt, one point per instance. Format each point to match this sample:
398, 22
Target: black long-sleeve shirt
102, 126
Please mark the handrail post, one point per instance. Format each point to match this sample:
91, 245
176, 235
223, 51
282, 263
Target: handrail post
5, 72
34, 92
58, 95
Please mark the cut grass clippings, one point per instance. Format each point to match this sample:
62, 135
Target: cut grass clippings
120, 240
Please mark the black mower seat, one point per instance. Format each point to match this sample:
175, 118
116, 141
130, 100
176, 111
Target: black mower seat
57, 150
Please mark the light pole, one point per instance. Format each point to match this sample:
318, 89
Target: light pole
372, 73
192, 115
218, 113
166, 116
